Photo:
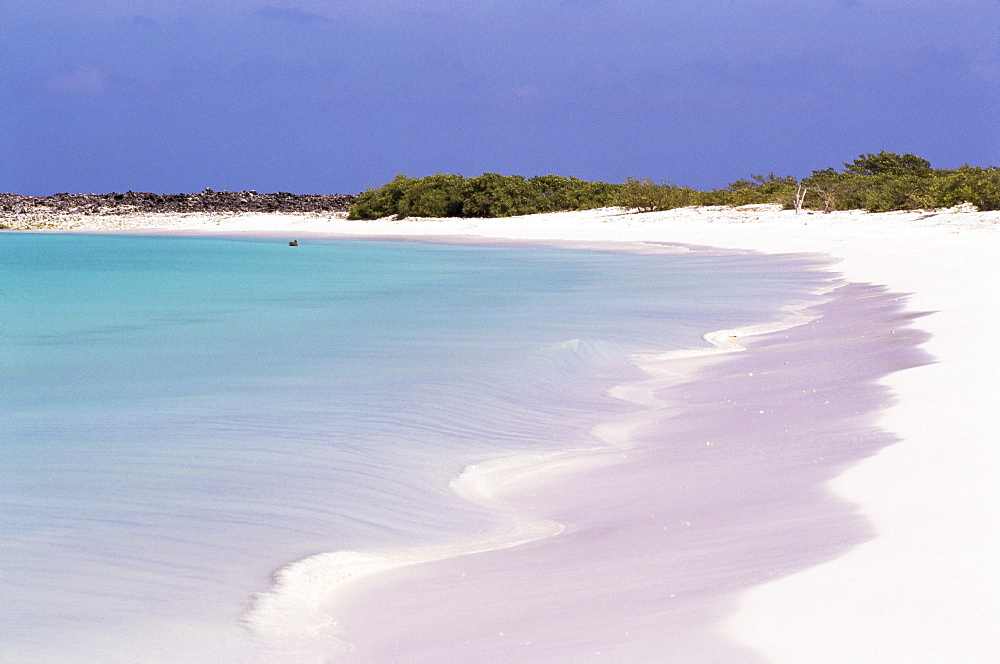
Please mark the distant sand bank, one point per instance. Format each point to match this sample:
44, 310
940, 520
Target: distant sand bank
927, 587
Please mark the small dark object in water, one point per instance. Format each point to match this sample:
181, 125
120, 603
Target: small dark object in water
293, 243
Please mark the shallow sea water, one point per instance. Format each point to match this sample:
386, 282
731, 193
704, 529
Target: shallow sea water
182, 417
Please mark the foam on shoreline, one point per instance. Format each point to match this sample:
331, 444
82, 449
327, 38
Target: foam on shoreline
290, 615
722, 491
290, 612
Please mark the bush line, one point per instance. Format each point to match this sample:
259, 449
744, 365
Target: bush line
874, 182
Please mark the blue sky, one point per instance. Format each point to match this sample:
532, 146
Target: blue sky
326, 96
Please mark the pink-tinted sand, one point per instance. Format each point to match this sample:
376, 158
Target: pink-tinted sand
724, 491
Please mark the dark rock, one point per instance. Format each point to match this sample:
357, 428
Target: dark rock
205, 201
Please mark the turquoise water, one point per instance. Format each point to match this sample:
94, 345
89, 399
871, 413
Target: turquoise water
181, 417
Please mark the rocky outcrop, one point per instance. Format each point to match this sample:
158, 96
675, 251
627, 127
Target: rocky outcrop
145, 202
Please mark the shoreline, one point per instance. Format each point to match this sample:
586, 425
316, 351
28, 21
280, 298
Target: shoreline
291, 610
665, 537
926, 587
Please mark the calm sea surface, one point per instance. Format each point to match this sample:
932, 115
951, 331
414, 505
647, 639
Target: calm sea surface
181, 417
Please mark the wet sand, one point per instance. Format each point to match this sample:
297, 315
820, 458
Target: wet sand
723, 491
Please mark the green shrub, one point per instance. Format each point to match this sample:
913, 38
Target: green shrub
968, 184
644, 195
874, 182
487, 195
382, 201
554, 193
758, 190
437, 195
889, 163
495, 195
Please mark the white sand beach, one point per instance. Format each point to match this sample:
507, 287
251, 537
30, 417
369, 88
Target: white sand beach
927, 587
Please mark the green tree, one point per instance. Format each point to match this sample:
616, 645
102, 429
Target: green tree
889, 163
874, 182
968, 184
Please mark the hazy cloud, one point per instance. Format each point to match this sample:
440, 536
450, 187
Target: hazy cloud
528, 90
292, 15
144, 21
89, 81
